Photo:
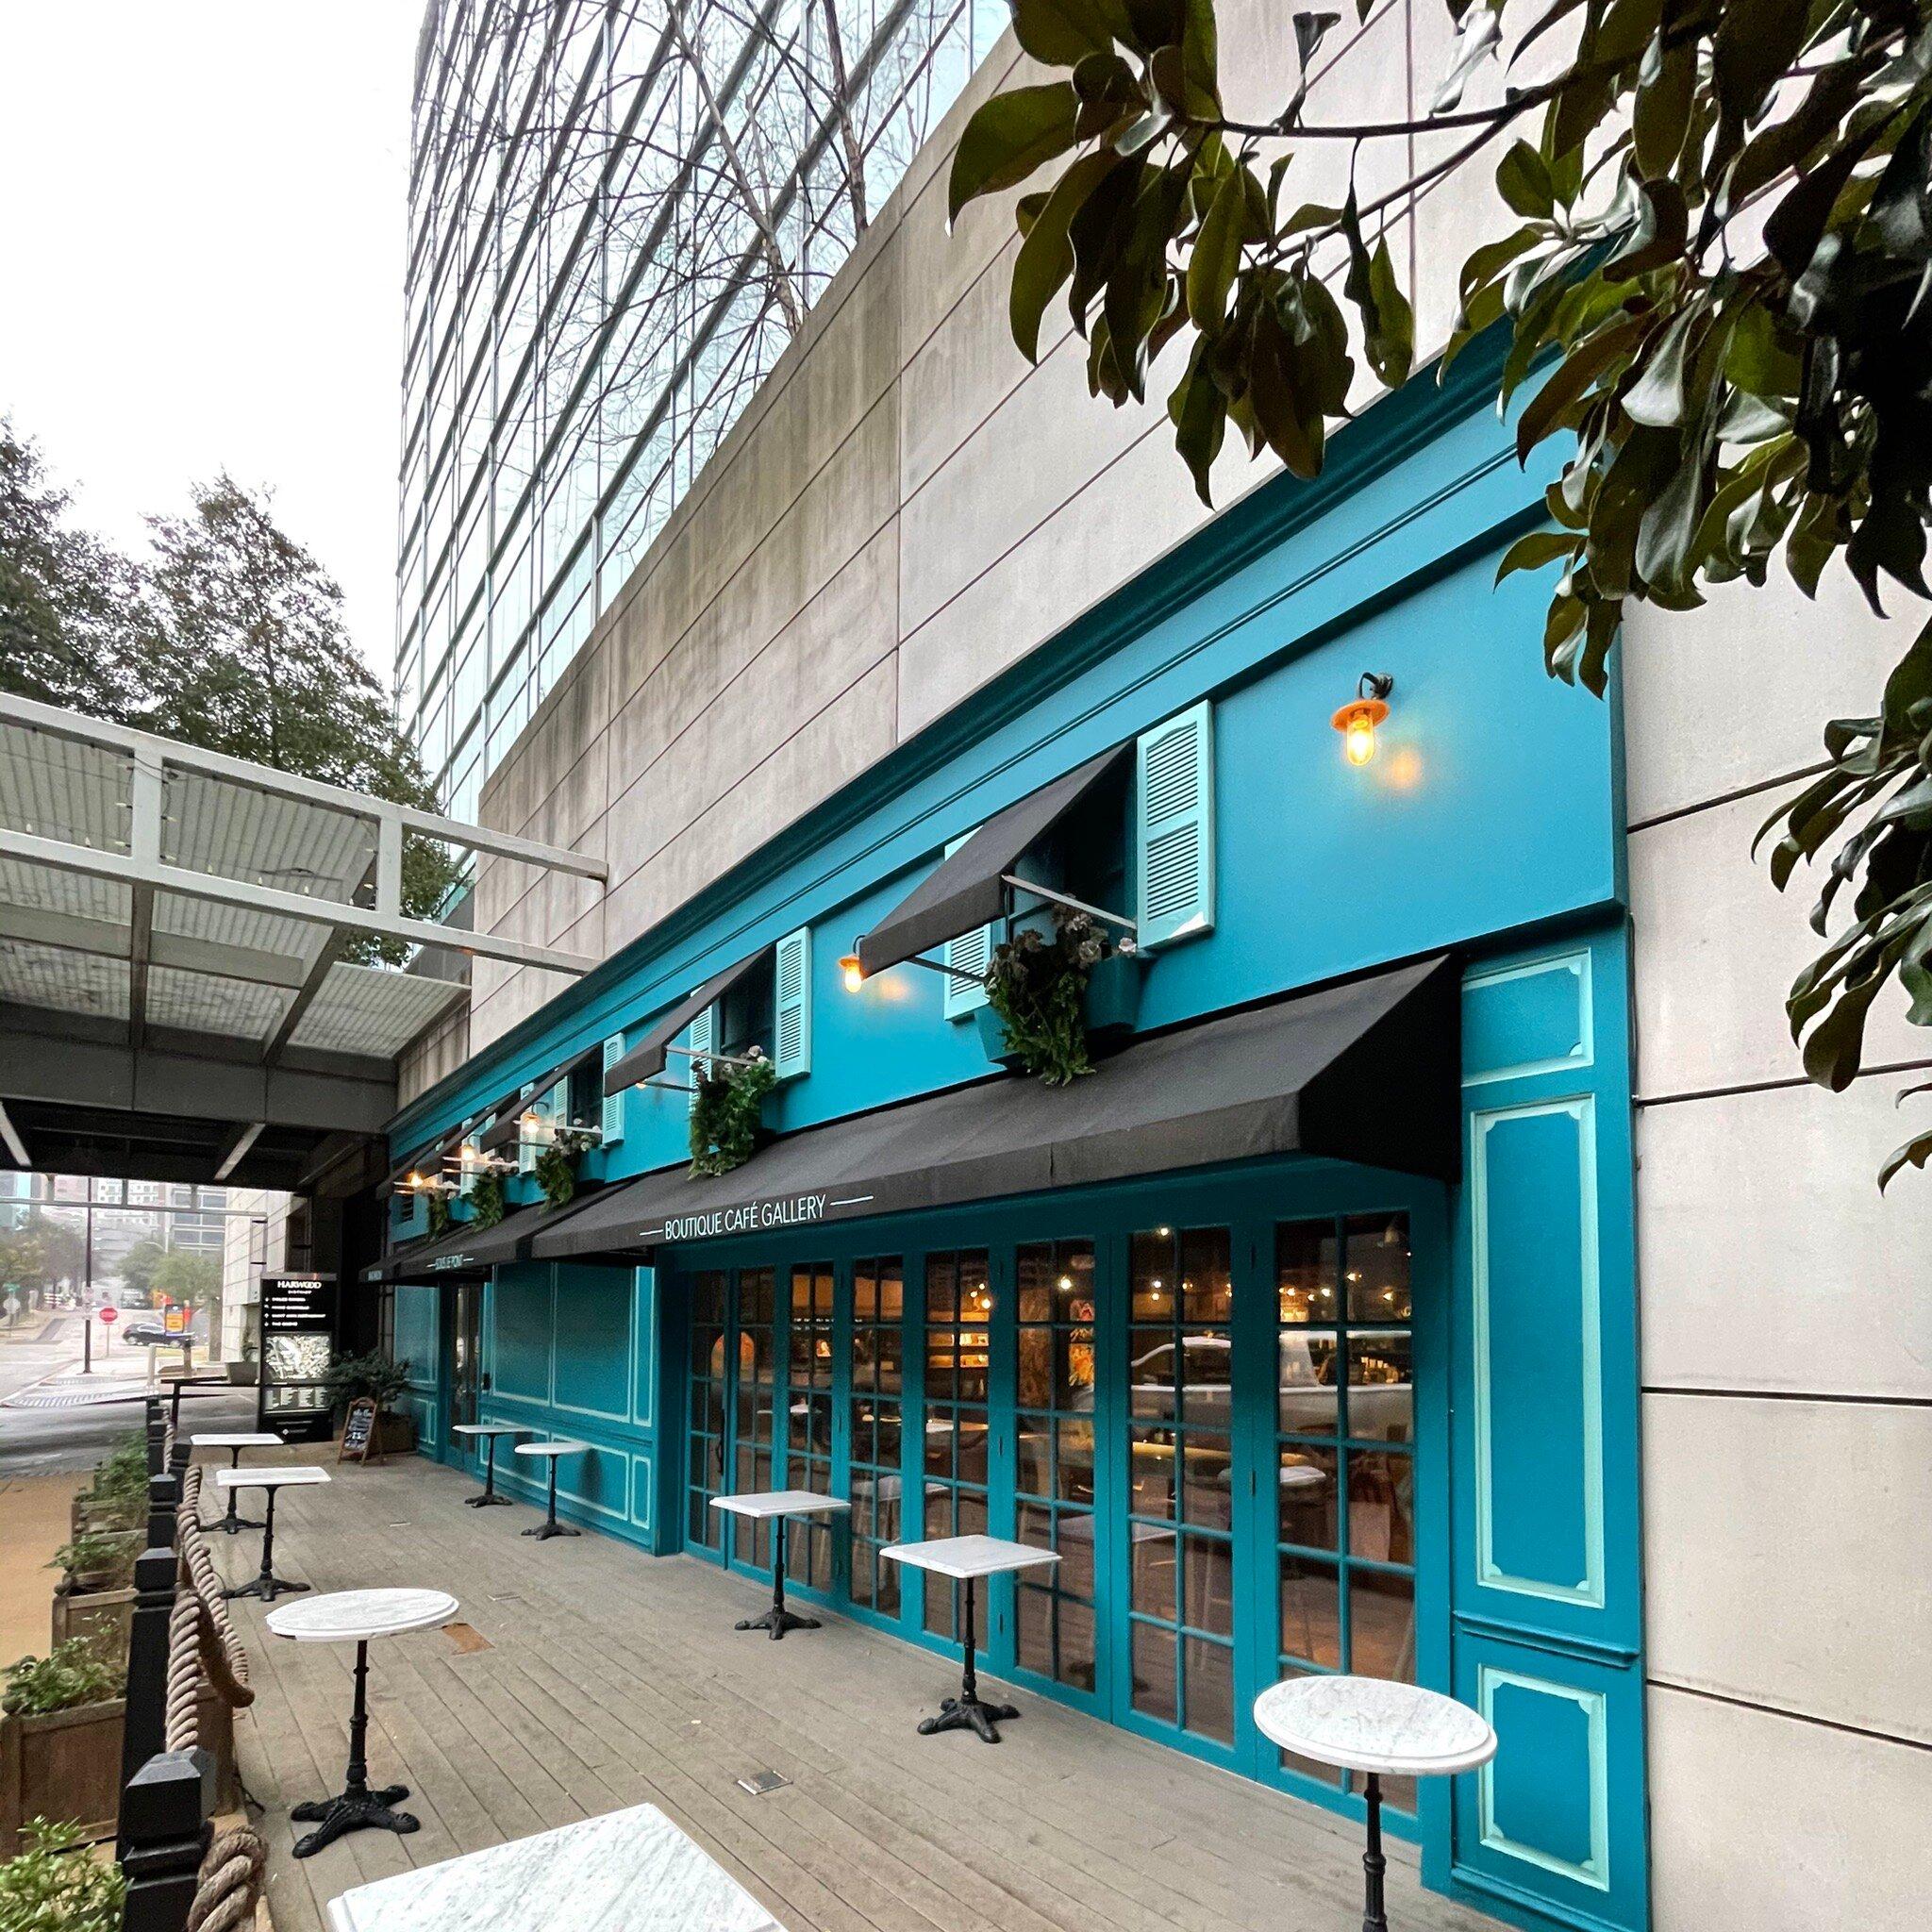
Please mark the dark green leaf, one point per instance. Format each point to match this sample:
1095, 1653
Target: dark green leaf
1535, 550
1756, 42
1656, 399
1060, 32
1218, 253
1524, 181
1009, 137
1046, 255
1661, 118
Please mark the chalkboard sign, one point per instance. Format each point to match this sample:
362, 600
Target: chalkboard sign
358, 1432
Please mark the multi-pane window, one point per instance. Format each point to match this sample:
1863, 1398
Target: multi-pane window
878, 1395
754, 1434
1179, 1483
1053, 1445
808, 1418
958, 1314
607, 235
707, 1399
1344, 1453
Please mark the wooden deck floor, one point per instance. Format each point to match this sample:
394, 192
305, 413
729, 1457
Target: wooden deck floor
597, 1677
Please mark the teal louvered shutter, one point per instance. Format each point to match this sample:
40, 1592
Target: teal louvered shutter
527, 1148
703, 1032
611, 1124
466, 1174
972, 951
792, 1004
1174, 832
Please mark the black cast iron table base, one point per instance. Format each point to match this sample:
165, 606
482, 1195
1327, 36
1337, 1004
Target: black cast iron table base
550, 1527
267, 1585
356, 1807
232, 1523
488, 1498
966, 1712
778, 1620
1375, 1918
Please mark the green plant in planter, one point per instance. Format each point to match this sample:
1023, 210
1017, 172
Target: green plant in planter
1036, 984
487, 1204
727, 1110
438, 1212
99, 1559
119, 1490
556, 1167
377, 1375
56, 1884
73, 1674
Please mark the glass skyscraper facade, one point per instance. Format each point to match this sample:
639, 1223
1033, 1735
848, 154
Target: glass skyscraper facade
620, 214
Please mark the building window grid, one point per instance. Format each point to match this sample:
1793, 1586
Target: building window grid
445, 255
811, 1358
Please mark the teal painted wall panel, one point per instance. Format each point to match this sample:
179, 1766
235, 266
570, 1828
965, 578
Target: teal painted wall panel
1542, 1793
521, 1331
1538, 1429
1523, 1019
592, 1346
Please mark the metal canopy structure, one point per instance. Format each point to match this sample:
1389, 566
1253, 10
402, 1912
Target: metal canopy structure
179, 995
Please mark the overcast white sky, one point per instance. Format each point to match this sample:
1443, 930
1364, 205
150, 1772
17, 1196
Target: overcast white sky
201, 262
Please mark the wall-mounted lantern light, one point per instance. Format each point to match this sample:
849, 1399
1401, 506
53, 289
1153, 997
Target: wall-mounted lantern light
851, 974
1358, 719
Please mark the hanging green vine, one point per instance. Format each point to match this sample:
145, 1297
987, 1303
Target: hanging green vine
1038, 986
556, 1170
726, 1112
487, 1204
438, 1212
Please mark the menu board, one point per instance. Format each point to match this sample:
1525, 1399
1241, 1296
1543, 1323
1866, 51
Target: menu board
298, 1338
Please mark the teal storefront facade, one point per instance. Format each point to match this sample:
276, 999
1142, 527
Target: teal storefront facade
1278, 1412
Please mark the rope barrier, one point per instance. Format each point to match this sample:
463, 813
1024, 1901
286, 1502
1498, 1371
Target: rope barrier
181, 1728
231, 1879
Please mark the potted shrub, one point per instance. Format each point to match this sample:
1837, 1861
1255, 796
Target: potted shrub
61, 1738
382, 1378
95, 1596
117, 1498
1052, 998
55, 1883
728, 1111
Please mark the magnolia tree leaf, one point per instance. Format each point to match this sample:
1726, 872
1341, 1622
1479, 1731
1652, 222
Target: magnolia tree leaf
1011, 136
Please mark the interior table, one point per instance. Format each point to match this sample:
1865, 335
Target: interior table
267, 1585
357, 1616
630, 1871
490, 1431
966, 1559
234, 1442
550, 1452
1374, 1726
774, 1507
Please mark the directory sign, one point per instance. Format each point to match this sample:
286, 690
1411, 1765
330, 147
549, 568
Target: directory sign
298, 1340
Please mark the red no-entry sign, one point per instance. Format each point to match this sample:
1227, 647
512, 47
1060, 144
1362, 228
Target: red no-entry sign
110, 1314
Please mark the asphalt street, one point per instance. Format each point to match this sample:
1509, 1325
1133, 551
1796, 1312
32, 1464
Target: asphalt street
53, 1419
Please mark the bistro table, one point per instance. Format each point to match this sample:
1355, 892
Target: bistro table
234, 1443
550, 1452
774, 1506
356, 1616
626, 1872
268, 1585
966, 1559
490, 1431
1374, 1724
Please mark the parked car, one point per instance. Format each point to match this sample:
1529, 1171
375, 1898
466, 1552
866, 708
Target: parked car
148, 1335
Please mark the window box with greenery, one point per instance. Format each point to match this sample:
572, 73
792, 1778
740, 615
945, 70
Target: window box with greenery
95, 1595
727, 1110
54, 1883
61, 1740
1056, 997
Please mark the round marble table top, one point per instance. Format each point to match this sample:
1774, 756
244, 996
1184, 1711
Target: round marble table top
349, 1616
1370, 1723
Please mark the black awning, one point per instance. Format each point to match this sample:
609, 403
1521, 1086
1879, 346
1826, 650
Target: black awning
645, 1060
505, 1130
466, 1250
966, 890
1368, 1071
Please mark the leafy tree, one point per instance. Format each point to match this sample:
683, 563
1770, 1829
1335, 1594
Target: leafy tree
40, 1252
246, 653
1720, 251
66, 600
194, 1281
140, 1266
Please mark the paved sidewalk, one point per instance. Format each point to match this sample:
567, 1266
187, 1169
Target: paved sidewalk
585, 1677
34, 1522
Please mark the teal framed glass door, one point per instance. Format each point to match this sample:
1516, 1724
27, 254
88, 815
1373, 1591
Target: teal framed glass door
731, 1398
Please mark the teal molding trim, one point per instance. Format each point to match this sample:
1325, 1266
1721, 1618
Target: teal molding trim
642, 1488
1594, 1870
1587, 1590
1523, 1907
1556, 1642
626, 1413
1470, 496
643, 1334
1479, 984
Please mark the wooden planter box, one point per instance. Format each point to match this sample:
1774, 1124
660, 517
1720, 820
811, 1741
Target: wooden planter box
87, 1513
67, 1765
94, 1613
395, 1436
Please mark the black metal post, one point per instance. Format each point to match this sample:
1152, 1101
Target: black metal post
87, 1341
144, 1726
1374, 1919
550, 1527
164, 1834
778, 1620
266, 1584
233, 1521
356, 1807
969, 1678
490, 1495
966, 1712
